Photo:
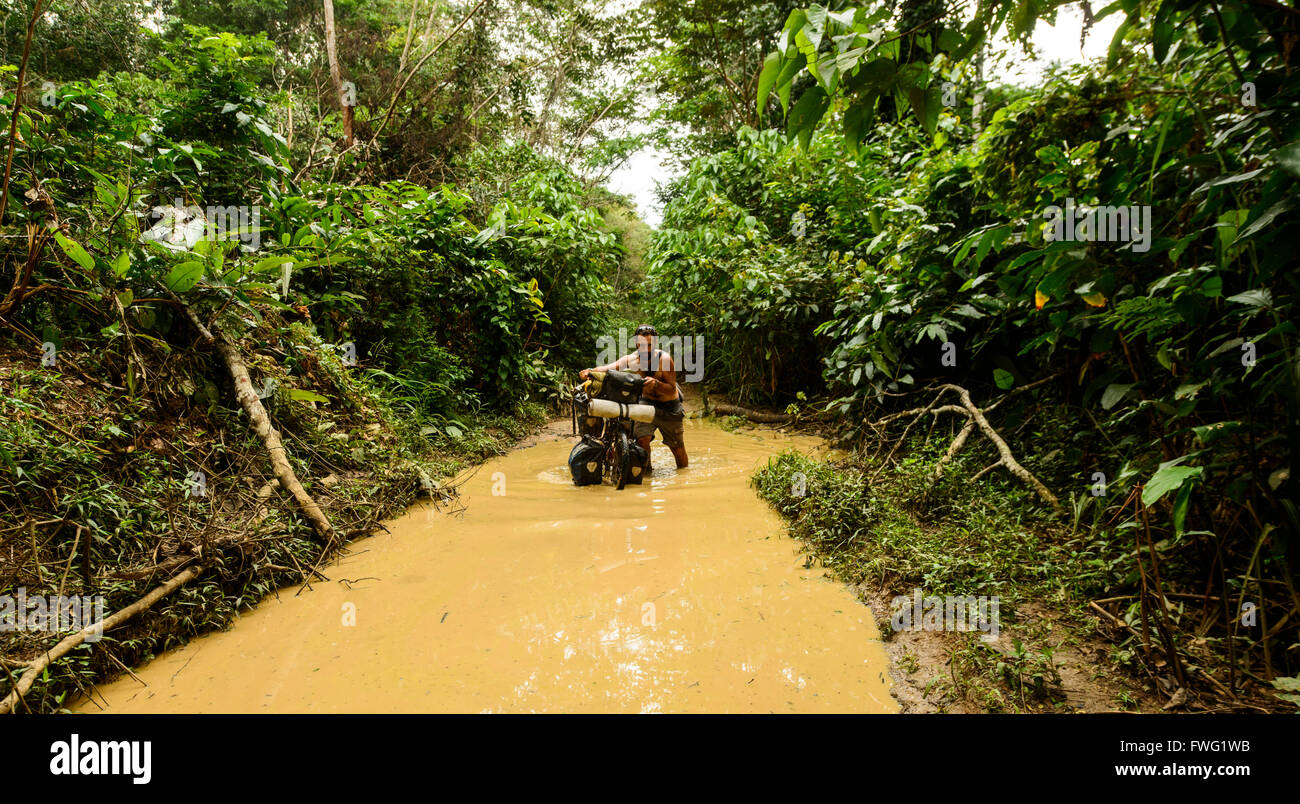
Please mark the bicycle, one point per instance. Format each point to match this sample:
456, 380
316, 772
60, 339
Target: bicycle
618, 459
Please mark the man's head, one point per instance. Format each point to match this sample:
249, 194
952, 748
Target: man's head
645, 337
645, 344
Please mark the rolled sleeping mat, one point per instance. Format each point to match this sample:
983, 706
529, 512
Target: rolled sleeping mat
611, 410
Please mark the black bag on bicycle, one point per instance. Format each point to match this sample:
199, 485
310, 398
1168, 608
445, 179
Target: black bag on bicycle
584, 462
640, 464
588, 425
616, 386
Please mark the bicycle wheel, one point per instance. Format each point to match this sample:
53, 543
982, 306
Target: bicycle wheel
621, 468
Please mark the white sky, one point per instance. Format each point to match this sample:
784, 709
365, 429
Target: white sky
638, 177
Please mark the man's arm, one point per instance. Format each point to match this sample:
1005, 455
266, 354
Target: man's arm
663, 384
617, 365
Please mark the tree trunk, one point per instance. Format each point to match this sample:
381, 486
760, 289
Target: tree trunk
336, 77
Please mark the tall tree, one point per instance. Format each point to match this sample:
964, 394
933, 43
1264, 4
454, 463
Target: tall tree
336, 78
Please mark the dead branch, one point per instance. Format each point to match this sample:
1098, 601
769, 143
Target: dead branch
62, 649
261, 424
903, 437
759, 417
38, 9
1007, 459
975, 418
392, 106
954, 447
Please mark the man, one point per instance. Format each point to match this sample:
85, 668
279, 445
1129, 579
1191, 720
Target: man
660, 390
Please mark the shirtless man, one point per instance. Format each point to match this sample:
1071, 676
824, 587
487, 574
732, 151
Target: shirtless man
660, 390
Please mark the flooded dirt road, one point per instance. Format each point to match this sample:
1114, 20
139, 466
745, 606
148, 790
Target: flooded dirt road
682, 595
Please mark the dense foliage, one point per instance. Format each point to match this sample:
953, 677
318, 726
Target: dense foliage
405, 301
906, 237
461, 295
398, 205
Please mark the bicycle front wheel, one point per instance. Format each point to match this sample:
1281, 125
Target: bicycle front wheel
622, 468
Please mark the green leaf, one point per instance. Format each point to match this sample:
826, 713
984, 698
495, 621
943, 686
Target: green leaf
785, 81
1114, 393
1167, 478
805, 115
767, 80
270, 264
74, 250
184, 276
1288, 683
1263, 220
1116, 44
874, 76
300, 395
1023, 18
816, 27
1004, 379
857, 121
121, 264
1288, 158
1254, 298
914, 74
1162, 34
1052, 154
1181, 503
925, 103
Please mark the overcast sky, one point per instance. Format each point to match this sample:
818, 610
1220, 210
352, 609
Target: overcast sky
638, 177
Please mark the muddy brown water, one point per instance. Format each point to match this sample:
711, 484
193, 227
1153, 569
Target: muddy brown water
681, 595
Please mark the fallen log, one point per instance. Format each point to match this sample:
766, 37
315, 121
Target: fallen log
261, 424
975, 418
756, 416
40, 663
1007, 459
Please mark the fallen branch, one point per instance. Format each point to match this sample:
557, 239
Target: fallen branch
975, 418
1007, 459
261, 424
756, 416
954, 447
903, 437
38, 665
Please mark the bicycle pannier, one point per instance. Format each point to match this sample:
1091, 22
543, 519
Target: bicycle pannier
616, 386
640, 459
584, 462
589, 425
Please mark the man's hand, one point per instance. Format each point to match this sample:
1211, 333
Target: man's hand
650, 385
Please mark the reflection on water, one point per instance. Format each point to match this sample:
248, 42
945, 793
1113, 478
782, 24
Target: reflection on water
679, 595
